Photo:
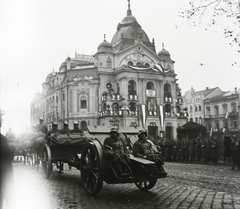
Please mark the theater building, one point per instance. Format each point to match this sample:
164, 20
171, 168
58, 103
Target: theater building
125, 83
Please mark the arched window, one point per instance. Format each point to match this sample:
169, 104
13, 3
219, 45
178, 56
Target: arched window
167, 90
56, 99
118, 89
150, 85
83, 102
109, 63
234, 107
216, 110
208, 110
132, 87
132, 106
224, 106
168, 109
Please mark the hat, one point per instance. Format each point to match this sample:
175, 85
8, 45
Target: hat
41, 118
142, 131
75, 123
114, 130
54, 123
65, 123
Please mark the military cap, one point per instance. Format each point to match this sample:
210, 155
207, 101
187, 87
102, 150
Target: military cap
114, 130
142, 131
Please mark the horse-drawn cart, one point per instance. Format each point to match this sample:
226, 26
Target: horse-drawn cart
86, 154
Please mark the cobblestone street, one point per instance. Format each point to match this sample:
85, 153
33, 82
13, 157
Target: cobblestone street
187, 186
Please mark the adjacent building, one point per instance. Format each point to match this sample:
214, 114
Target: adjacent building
216, 109
125, 83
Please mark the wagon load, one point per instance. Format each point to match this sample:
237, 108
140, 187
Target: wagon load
68, 139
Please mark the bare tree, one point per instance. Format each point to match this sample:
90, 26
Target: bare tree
223, 13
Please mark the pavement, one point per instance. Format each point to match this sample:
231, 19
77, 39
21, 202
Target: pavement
187, 186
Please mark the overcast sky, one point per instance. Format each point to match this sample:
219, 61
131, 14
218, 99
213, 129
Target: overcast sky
38, 35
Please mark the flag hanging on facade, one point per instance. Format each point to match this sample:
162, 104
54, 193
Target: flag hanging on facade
143, 114
161, 115
226, 116
211, 131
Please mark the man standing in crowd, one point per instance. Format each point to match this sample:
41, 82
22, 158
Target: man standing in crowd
6, 174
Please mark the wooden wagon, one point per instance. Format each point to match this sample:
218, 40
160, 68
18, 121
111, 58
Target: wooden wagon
86, 154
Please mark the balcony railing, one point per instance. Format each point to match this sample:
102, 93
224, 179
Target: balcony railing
152, 113
168, 99
117, 113
133, 97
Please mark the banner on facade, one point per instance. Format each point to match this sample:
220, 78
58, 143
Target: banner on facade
211, 131
143, 114
226, 116
161, 115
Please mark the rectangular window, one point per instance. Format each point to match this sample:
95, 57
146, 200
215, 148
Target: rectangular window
200, 108
83, 104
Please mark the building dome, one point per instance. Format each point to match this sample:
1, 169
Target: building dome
105, 46
128, 19
164, 53
129, 29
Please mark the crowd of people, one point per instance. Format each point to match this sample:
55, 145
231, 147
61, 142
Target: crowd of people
208, 150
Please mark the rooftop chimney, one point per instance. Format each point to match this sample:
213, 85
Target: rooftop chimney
207, 88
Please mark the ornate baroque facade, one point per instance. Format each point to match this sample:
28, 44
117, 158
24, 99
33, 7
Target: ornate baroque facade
126, 83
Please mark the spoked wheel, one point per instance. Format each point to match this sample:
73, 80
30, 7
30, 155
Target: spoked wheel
46, 162
90, 170
146, 185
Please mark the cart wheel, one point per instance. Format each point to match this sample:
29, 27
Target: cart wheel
90, 170
146, 185
46, 162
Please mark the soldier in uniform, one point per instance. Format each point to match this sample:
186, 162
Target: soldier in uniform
236, 153
198, 150
192, 149
143, 148
214, 153
52, 131
227, 148
41, 128
116, 151
76, 128
65, 129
